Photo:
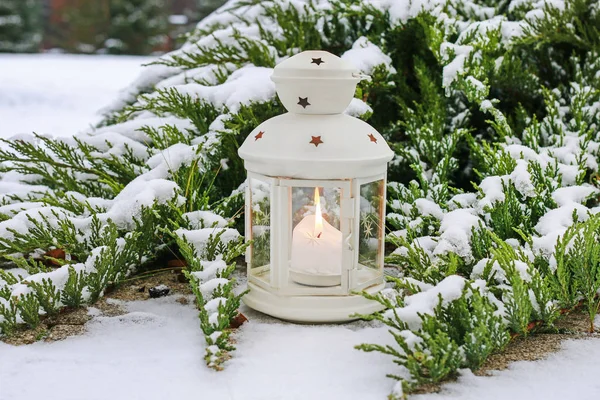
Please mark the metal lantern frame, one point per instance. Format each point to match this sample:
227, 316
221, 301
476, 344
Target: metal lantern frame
278, 280
308, 148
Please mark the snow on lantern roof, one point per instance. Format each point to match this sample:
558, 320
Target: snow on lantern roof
314, 140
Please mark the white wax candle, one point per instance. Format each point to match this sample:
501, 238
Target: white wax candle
316, 251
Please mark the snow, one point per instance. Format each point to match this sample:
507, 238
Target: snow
59, 94
208, 287
493, 190
139, 193
522, 179
110, 143
462, 200
131, 129
401, 10
428, 207
454, 67
170, 159
210, 270
568, 374
425, 302
199, 237
358, 108
155, 352
455, 231
248, 84
201, 219
572, 194
365, 56
178, 19
559, 219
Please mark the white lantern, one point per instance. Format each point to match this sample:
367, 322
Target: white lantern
315, 199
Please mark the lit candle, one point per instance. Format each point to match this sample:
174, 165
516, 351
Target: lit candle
316, 250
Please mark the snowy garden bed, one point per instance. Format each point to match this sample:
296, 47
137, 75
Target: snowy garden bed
493, 112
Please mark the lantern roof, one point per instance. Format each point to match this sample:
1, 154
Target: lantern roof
315, 140
335, 146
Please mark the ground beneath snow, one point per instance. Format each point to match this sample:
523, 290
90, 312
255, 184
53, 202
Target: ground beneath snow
59, 94
155, 352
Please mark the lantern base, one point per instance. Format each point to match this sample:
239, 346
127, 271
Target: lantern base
316, 309
319, 280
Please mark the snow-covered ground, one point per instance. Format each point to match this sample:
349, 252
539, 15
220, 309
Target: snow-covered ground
571, 373
155, 352
59, 94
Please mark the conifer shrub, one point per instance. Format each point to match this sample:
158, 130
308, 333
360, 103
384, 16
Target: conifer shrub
492, 109
20, 26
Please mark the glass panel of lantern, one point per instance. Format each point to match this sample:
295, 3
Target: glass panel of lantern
259, 229
315, 259
371, 230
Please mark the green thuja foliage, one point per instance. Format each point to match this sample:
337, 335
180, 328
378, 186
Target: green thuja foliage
28, 307
54, 230
242, 51
528, 296
577, 274
457, 334
210, 274
172, 102
47, 294
509, 216
481, 242
485, 332
516, 300
81, 168
417, 262
111, 262
72, 294
562, 275
545, 307
588, 273
166, 136
31, 265
8, 313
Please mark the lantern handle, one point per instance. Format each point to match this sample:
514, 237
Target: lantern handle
362, 76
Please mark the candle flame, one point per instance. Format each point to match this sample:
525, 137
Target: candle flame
318, 214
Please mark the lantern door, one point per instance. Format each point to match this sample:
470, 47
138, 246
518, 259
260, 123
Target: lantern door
260, 229
315, 255
369, 228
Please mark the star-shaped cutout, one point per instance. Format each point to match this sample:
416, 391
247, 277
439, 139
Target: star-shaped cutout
259, 136
303, 101
372, 138
316, 140
317, 61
